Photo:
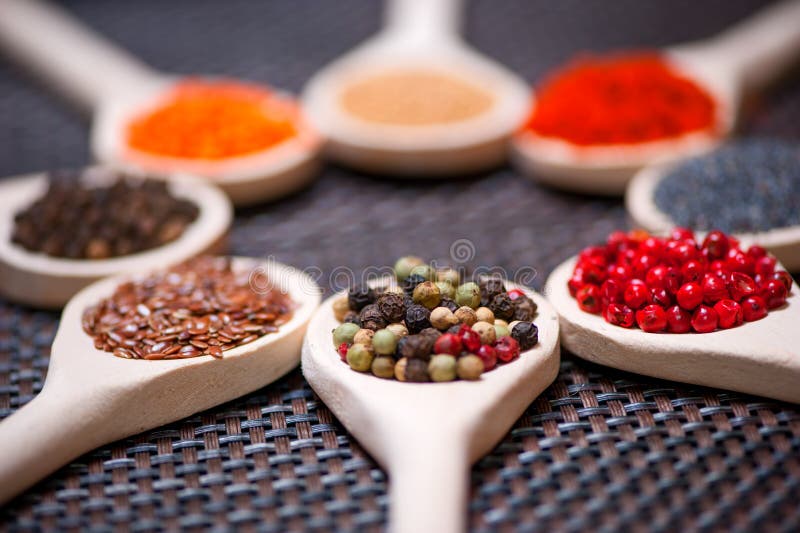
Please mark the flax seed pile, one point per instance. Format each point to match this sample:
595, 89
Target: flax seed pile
201, 307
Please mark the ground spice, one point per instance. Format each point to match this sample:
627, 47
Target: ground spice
201, 307
619, 99
77, 221
414, 98
212, 120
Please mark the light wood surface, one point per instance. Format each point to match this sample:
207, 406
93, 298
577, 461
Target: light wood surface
419, 34
43, 281
114, 86
428, 434
741, 59
761, 357
784, 243
91, 397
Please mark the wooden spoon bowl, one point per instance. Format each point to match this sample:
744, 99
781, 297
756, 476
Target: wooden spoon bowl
428, 434
761, 357
91, 397
44, 281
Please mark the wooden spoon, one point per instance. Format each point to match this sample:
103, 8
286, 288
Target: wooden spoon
92, 397
784, 242
761, 357
44, 281
428, 434
116, 87
419, 35
743, 58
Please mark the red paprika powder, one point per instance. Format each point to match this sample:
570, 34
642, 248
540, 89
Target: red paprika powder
620, 99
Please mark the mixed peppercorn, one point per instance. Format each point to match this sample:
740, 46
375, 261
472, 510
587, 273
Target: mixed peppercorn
431, 327
678, 284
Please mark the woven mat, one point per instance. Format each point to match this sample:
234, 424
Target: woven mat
600, 449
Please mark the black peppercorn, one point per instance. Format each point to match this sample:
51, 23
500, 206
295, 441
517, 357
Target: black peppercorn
352, 318
392, 306
491, 286
454, 329
415, 346
359, 297
448, 303
417, 371
372, 318
502, 306
431, 333
526, 334
417, 318
524, 308
411, 282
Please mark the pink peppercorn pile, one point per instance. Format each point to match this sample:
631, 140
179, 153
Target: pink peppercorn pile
676, 284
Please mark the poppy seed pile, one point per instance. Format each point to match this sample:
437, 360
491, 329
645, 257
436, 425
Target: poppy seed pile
430, 326
744, 187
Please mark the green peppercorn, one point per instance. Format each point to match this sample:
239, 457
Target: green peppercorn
383, 367
344, 333
427, 294
447, 290
359, 357
340, 308
384, 342
426, 271
501, 330
442, 367
469, 367
448, 275
468, 294
403, 266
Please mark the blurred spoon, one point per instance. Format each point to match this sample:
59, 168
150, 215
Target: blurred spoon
761, 357
742, 58
91, 397
116, 87
419, 35
428, 434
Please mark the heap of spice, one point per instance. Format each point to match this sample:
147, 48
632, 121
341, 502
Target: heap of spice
677, 284
201, 307
745, 186
77, 221
431, 327
414, 98
623, 98
211, 120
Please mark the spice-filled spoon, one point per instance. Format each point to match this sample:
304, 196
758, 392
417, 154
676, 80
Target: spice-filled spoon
428, 434
91, 397
753, 176
415, 100
756, 357
42, 280
741, 59
268, 151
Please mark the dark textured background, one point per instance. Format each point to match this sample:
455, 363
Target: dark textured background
599, 449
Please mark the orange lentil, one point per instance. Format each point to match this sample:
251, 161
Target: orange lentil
620, 98
203, 119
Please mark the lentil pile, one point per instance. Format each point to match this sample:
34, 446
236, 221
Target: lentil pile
678, 284
620, 98
204, 119
201, 307
76, 221
432, 327
414, 98
745, 186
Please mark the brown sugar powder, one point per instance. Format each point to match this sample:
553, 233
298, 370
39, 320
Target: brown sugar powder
414, 98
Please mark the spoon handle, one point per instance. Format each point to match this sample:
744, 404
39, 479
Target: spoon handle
424, 21
758, 49
48, 432
84, 66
